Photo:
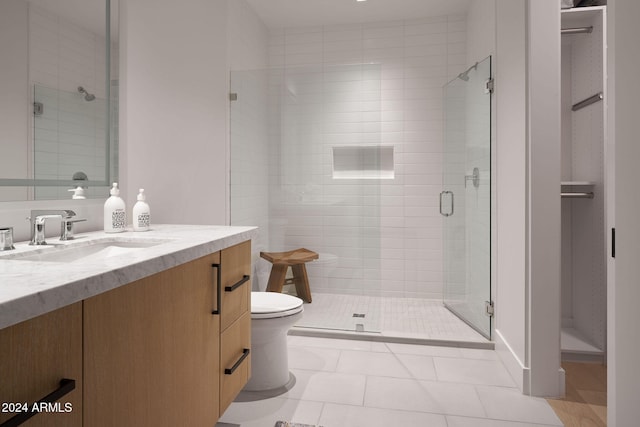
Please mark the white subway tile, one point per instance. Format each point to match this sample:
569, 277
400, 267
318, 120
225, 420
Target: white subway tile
457, 37
399, 102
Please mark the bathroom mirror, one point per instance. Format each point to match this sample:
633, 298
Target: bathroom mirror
58, 98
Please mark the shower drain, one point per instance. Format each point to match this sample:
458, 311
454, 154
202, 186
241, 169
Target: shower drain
358, 315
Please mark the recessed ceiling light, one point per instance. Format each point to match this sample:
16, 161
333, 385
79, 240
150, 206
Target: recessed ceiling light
361, 0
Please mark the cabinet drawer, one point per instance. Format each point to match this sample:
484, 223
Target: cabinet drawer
36, 355
235, 359
236, 283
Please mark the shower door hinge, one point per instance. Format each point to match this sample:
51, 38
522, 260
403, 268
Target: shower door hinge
38, 108
488, 306
489, 86
233, 96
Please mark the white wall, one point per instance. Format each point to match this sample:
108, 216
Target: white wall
623, 314
481, 30
528, 207
248, 38
174, 81
543, 146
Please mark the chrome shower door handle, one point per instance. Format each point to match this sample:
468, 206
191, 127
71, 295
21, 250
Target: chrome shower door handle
442, 194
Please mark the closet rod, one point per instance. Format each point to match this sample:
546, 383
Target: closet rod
573, 195
586, 102
578, 30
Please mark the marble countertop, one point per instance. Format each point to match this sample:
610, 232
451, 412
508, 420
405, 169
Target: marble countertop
31, 288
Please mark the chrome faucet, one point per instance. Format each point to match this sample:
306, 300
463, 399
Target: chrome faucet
6, 239
38, 219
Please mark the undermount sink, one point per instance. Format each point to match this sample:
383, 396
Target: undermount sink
86, 251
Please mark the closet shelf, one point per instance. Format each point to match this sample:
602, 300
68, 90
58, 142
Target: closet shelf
576, 195
569, 193
577, 183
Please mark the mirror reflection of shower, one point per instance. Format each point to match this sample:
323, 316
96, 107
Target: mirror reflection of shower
87, 96
464, 76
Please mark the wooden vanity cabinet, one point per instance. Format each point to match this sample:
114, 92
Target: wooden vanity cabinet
151, 350
172, 349
35, 355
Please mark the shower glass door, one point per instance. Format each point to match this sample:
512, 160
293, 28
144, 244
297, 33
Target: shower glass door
465, 202
307, 166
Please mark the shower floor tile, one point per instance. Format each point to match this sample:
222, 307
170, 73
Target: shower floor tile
410, 318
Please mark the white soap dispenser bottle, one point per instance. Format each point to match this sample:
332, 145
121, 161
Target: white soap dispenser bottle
141, 213
115, 214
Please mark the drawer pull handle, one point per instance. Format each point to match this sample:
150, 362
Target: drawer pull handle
218, 309
244, 279
66, 386
228, 371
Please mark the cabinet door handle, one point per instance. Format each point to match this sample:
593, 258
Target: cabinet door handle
228, 371
232, 288
66, 386
218, 309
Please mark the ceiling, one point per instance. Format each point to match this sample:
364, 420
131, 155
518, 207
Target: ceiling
303, 13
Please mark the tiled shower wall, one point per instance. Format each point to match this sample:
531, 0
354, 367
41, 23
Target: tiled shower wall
325, 130
416, 58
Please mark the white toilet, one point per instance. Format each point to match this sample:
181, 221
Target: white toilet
272, 315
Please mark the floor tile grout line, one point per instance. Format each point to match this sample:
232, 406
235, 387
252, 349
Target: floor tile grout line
484, 408
364, 392
322, 409
406, 368
523, 423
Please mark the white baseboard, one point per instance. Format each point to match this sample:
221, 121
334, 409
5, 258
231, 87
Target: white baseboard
520, 373
512, 362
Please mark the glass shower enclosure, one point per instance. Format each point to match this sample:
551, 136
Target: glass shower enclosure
465, 202
306, 168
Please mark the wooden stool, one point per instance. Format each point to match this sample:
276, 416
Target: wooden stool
295, 259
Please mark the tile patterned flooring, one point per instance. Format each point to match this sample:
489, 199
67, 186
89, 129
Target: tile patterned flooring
411, 318
352, 383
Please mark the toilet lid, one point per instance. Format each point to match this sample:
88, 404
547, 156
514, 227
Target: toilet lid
272, 304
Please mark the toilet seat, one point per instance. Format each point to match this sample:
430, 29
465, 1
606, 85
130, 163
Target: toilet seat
270, 305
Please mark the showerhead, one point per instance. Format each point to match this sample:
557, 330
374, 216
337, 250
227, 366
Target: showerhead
464, 76
87, 96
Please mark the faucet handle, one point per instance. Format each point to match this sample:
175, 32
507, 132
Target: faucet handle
6, 238
66, 228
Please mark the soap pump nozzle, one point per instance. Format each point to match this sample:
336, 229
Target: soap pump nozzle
78, 193
115, 191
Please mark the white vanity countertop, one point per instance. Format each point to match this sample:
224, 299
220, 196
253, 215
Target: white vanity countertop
31, 288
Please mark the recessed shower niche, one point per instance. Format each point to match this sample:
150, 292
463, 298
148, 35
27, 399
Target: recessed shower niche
363, 162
